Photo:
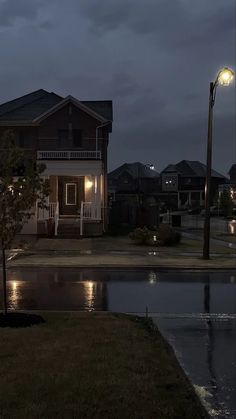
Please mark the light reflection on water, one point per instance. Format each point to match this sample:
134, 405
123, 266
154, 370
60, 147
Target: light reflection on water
56, 295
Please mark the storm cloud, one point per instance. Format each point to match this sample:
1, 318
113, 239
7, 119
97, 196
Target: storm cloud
153, 58
13, 10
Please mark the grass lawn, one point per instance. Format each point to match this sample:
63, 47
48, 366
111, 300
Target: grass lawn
88, 365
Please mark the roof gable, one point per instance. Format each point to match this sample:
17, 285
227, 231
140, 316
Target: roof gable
191, 168
137, 170
76, 102
39, 104
232, 169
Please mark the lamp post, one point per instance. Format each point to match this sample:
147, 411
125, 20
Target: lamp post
224, 78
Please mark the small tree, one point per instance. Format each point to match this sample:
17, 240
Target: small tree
21, 185
226, 203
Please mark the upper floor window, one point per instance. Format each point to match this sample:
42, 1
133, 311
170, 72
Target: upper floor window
77, 137
70, 138
63, 135
23, 139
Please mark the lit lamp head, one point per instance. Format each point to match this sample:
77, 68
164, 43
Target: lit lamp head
225, 76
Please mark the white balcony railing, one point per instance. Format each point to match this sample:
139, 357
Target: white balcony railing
46, 213
68, 155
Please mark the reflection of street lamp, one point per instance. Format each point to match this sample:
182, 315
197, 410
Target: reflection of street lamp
224, 78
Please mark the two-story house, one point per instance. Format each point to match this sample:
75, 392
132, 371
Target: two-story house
71, 138
232, 182
184, 183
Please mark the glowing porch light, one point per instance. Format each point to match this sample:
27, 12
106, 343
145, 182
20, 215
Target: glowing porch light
88, 184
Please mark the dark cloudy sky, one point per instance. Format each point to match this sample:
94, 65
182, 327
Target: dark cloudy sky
153, 58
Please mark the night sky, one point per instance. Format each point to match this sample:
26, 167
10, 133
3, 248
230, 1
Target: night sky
153, 58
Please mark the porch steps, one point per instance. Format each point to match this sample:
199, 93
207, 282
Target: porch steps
69, 228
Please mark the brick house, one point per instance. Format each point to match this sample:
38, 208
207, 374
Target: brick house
71, 138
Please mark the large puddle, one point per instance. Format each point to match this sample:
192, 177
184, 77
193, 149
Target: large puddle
195, 311
127, 291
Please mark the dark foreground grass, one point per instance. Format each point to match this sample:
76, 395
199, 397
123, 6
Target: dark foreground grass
80, 365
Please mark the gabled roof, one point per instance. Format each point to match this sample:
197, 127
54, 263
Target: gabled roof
232, 169
63, 102
136, 170
21, 101
36, 104
191, 168
29, 107
102, 107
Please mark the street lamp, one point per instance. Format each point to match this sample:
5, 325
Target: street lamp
224, 78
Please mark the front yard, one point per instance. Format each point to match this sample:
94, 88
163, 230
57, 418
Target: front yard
87, 365
108, 244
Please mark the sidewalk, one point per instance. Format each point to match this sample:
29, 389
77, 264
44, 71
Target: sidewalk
121, 253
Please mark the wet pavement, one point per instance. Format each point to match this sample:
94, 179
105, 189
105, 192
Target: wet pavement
196, 236
195, 311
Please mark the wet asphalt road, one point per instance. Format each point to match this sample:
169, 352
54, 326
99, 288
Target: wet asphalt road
195, 311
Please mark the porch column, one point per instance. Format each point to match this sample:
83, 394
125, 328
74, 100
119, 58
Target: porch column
98, 195
93, 198
189, 198
201, 198
179, 200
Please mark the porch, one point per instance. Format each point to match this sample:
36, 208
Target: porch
75, 206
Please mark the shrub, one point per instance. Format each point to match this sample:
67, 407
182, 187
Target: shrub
142, 236
167, 235
164, 236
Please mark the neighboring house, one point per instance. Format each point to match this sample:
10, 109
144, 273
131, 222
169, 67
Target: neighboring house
184, 183
133, 188
232, 182
71, 138
232, 174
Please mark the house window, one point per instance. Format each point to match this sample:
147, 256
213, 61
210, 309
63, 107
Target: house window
77, 138
71, 193
63, 135
21, 139
187, 181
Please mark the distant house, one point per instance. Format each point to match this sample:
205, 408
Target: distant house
71, 138
184, 183
133, 190
232, 174
232, 181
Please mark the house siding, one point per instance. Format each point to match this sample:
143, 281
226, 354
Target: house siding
77, 119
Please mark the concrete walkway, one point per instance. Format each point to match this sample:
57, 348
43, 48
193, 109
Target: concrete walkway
122, 261
119, 253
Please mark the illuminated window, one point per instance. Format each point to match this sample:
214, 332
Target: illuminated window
71, 193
